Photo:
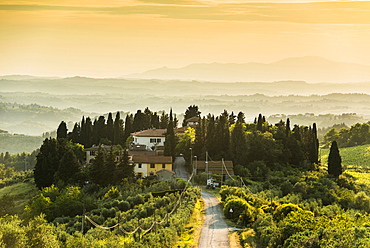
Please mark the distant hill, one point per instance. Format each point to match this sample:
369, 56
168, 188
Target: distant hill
311, 69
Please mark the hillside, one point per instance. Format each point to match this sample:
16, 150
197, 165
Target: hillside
18, 143
310, 69
352, 157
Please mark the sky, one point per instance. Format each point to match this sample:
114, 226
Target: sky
112, 38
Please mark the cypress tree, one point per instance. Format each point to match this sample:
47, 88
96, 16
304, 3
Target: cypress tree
232, 118
69, 167
47, 164
97, 167
314, 145
118, 133
88, 133
138, 122
259, 122
62, 131
155, 120
124, 169
334, 161
128, 128
287, 127
76, 132
238, 145
110, 127
163, 122
200, 139
170, 143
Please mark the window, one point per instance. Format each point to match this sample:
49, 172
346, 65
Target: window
92, 153
139, 166
139, 174
154, 140
163, 166
152, 165
151, 173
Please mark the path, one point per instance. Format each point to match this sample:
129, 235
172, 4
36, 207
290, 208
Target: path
215, 232
179, 168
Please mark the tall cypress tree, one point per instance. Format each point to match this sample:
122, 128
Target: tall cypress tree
170, 143
69, 167
110, 127
88, 132
128, 127
163, 122
238, 145
47, 164
76, 133
260, 122
124, 169
314, 154
62, 131
118, 130
97, 167
334, 161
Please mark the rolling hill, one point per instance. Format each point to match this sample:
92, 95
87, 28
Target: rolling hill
311, 69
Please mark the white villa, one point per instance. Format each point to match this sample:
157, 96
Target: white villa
151, 138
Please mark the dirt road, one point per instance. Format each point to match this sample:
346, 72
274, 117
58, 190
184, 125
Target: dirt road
215, 231
180, 169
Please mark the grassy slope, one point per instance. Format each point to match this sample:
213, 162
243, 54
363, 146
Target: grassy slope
21, 193
19, 143
352, 157
355, 160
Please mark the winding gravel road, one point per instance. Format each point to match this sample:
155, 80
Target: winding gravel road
215, 232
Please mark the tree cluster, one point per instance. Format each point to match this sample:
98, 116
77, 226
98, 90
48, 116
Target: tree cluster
255, 148
357, 134
113, 132
59, 160
110, 168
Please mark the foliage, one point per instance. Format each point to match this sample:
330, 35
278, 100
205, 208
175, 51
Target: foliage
334, 161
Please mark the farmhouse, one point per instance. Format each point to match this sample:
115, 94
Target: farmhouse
152, 139
150, 165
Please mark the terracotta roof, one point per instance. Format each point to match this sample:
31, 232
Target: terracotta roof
153, 159
150, 133
166, 170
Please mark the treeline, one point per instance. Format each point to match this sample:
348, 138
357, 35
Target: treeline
60, 162
255, 148
90, 132
20, 161
357, 134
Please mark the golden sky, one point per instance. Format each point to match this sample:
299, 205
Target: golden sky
112, 38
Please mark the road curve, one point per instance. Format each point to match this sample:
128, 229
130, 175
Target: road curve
215, 232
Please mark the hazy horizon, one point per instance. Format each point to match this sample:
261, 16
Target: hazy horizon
109, 39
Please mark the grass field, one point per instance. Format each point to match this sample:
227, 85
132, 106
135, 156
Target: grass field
352, 157
19, 194
355, 161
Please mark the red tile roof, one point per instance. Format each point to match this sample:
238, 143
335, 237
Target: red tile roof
150, 133
152, 159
